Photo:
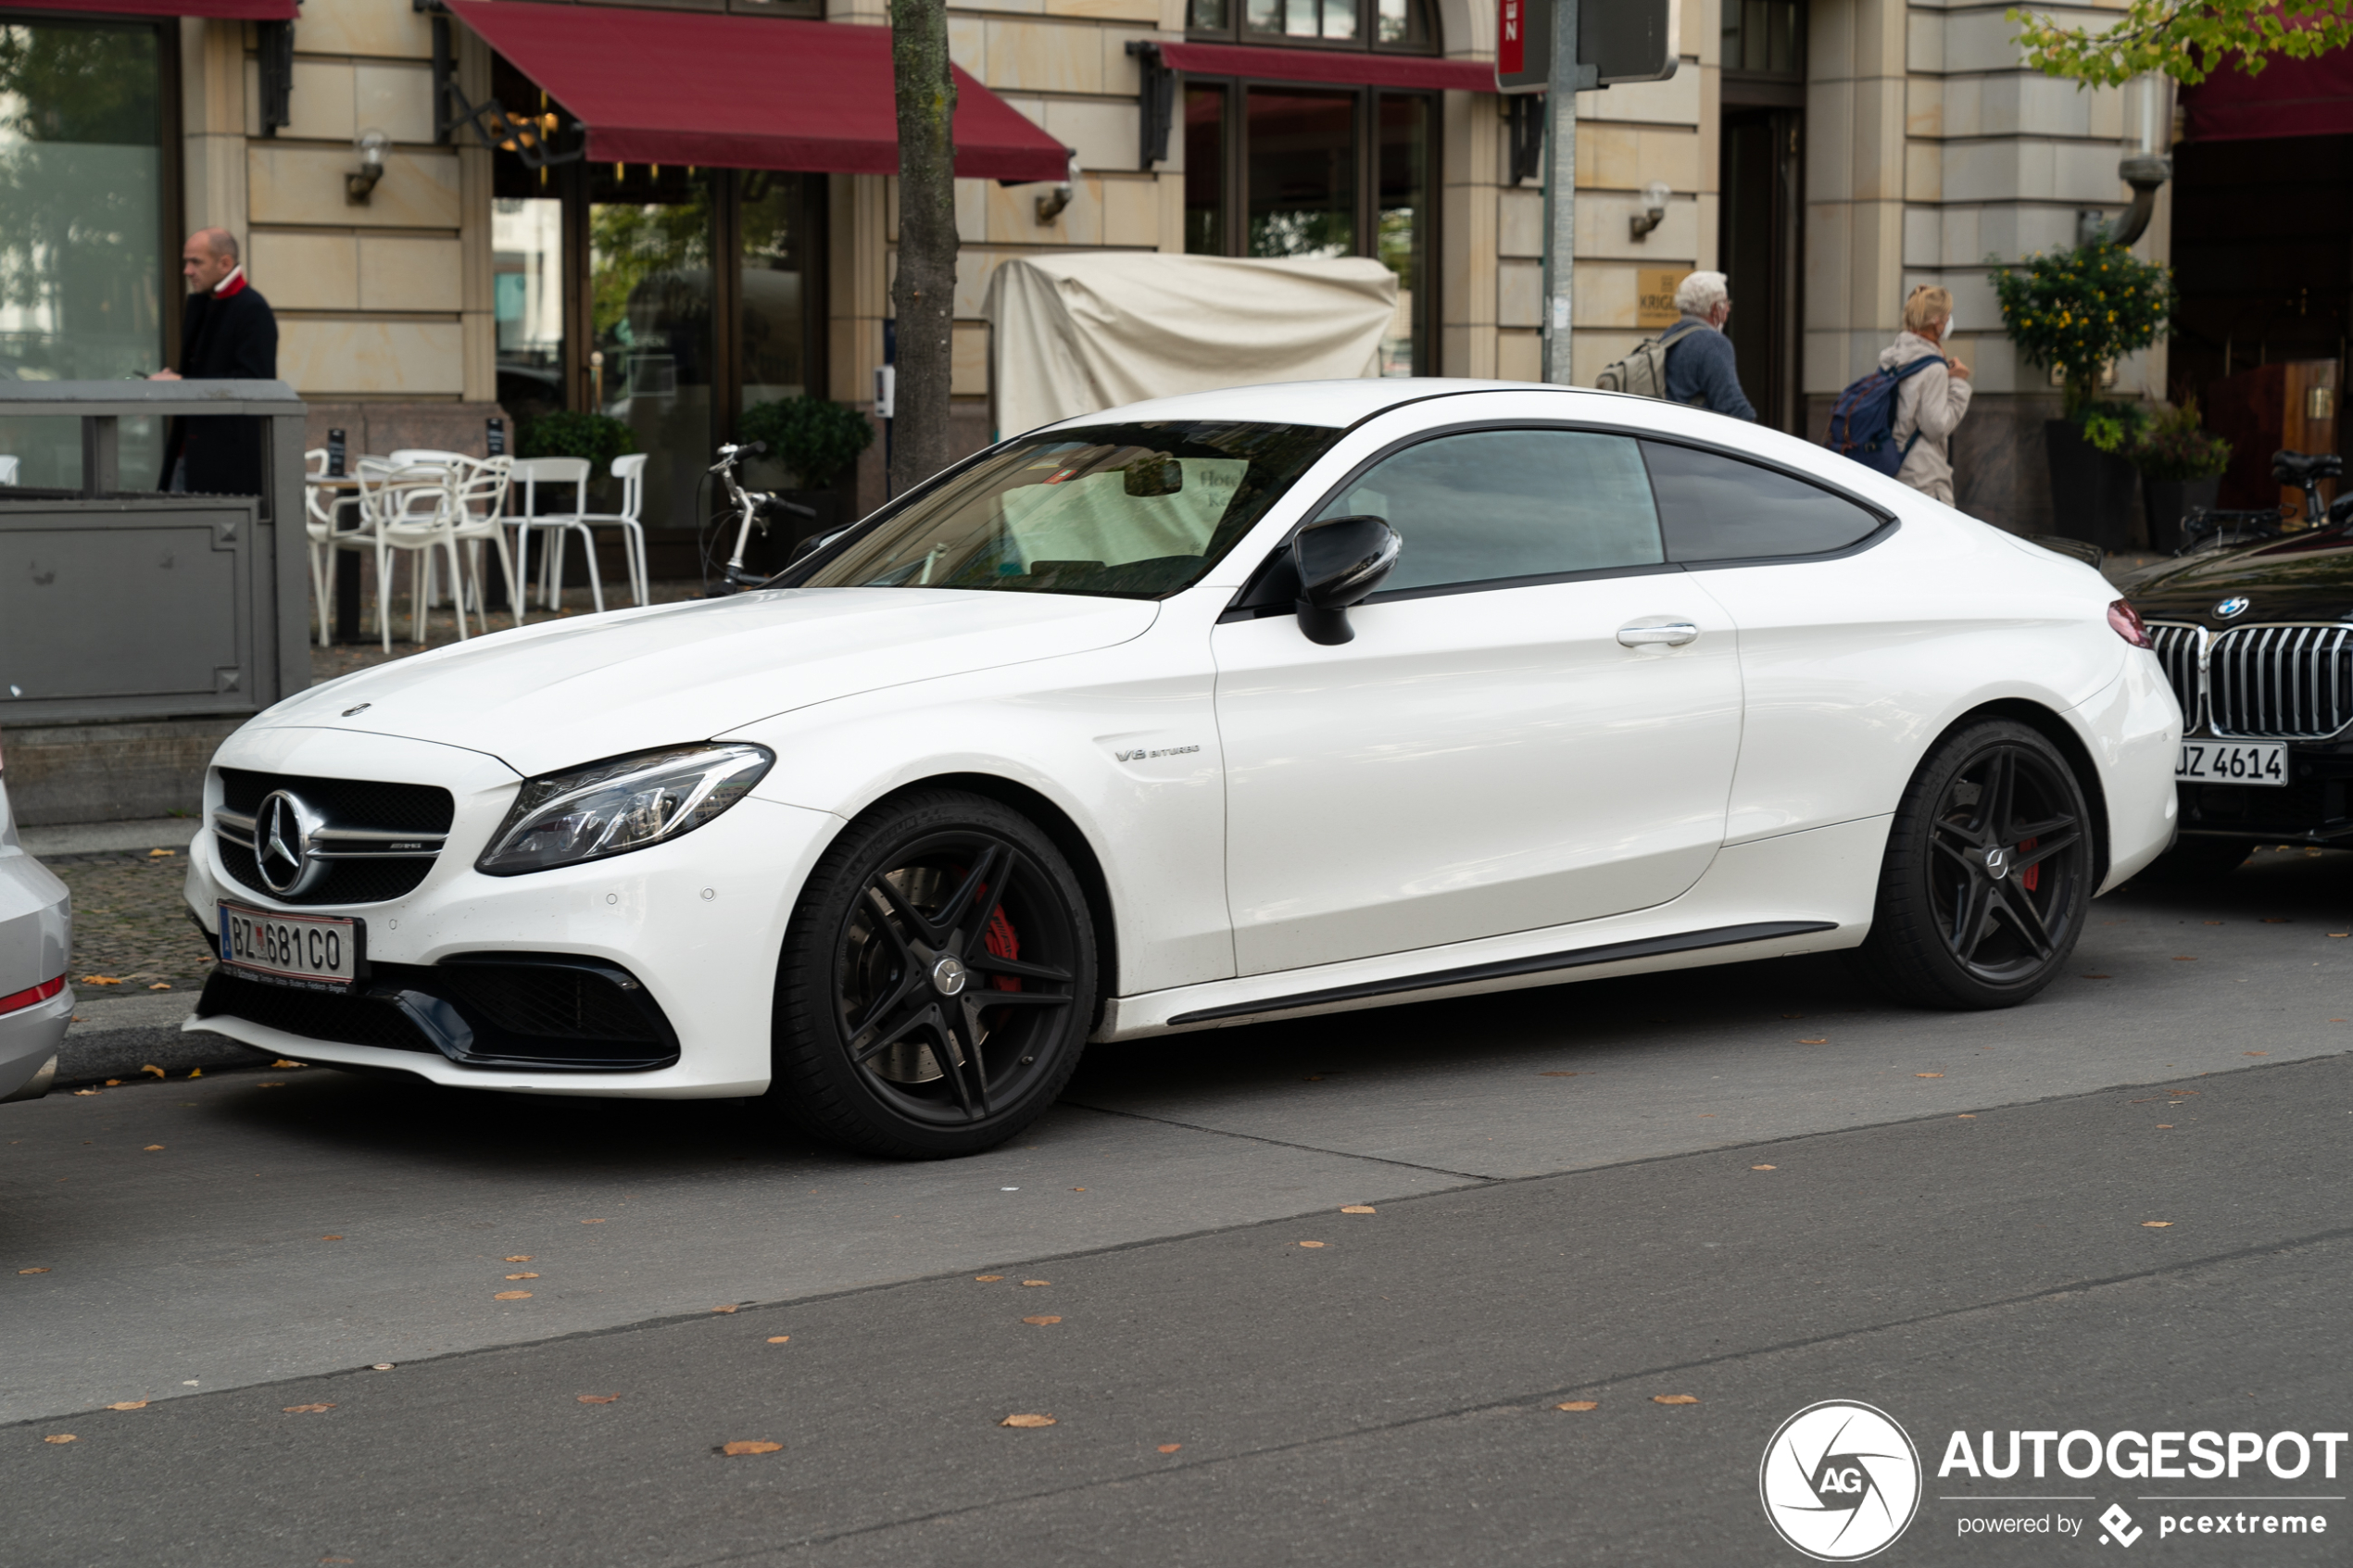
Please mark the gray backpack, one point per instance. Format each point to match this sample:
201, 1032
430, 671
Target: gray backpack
1643, 372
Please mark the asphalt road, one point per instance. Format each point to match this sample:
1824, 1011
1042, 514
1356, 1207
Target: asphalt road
2123, 1208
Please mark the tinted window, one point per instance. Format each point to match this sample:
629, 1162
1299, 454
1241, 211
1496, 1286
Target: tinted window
1720, 508
1509, 503
1136, 511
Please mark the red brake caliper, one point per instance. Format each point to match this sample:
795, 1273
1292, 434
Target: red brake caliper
1000, 939
2027, 879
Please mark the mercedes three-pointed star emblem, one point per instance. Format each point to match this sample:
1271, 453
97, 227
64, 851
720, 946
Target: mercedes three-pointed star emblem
282, 844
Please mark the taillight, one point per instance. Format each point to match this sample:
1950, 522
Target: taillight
2127, 623
18, 1000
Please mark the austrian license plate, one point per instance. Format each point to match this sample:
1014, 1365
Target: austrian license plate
321, 952
2236, 763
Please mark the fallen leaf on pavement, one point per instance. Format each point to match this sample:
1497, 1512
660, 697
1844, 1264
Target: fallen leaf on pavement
114, 1083
1674, 1399
193, 1072
2254, 1053
1041, 1322
1966, 1116
1037, 1282
987, 1279
1764, 1167
598, 1399
161, 985
331, 1239
161, 854
61, 1438
1817, 1040
1170, 1447
2184, 958
2275, 919
2157, 1225
128, 1405
723, 1309
382, 1366
512, 1295
151, 1067
89, 1091
517, 1258
283, 1062
1028, 1421
1579, 1405
152, 1148
32, 1271
2341, 934
523, 1276
269, 1085
592, 1222
1358, 1209
100, 979
2165, 1126
779, 1339
748, 1446
1311, 1244
1928, 1074
306, 1409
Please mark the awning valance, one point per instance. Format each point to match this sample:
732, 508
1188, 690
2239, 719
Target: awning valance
1354, 68
230, 10
726, 91
2288, 97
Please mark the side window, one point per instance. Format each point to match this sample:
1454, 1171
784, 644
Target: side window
1719, 509
1488, 505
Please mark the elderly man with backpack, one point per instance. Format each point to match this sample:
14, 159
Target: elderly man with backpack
1692, 361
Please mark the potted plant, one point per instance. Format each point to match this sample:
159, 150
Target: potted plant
571, 433
2079, 311
2181, 470
814, 442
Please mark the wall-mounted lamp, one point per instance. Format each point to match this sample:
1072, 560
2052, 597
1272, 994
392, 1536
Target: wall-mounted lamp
1052, 203
1654, 211
360, 184
2147, 162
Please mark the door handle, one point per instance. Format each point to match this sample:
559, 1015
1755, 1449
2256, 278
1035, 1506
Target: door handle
1674, 635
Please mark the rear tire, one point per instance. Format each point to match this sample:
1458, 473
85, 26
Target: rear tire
1988, 873
938, 981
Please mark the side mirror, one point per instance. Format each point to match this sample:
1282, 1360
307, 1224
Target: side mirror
1340, 561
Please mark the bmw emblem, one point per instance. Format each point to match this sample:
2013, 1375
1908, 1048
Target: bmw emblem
2235, 605
282, 831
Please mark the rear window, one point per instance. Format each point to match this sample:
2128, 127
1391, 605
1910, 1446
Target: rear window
1715, 507
1125, 511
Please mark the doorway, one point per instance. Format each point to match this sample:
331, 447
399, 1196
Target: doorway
1759, 247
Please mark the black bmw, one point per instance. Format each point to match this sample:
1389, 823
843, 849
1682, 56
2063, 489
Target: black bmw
2258, 644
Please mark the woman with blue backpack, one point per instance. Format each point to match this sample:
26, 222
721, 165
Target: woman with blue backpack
1930, 400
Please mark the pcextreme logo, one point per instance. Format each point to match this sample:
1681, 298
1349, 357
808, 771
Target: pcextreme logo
1839, 1481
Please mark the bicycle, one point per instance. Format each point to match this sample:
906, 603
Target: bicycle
751, 506
2205, 530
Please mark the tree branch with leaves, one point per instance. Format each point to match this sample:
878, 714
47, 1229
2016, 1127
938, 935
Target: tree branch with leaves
2187, 40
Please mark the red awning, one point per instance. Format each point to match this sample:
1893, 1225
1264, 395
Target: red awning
232, 10
1354, 68
744, 92
2311, 97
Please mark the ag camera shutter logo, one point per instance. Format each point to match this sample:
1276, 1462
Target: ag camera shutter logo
1839, 1481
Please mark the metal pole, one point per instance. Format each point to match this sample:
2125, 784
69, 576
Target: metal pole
1560, 186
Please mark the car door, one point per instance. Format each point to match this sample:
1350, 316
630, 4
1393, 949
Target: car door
1488, 754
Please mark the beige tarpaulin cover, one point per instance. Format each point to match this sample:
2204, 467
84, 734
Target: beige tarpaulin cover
1092, 329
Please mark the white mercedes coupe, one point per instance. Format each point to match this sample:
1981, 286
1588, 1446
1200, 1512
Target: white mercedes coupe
1236, 706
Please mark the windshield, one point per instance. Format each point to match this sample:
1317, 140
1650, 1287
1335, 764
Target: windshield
1129, 510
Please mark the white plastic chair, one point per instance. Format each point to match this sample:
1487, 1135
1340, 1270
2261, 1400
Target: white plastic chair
529, 474
408, 509
478, 493
319, 509
631, 471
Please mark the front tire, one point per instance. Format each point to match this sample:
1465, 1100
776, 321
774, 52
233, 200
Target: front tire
938, 981
1988, 873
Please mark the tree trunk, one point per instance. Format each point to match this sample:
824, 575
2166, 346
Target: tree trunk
923, 294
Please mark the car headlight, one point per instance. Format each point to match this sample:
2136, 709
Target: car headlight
621, 804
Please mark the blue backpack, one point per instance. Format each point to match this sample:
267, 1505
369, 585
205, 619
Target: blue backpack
1863, 425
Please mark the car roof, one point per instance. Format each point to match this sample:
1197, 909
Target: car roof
1338, 403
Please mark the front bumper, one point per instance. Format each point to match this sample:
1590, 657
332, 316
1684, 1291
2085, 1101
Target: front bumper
698, 922
2314, 807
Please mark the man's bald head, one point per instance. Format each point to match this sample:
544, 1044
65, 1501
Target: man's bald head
209, 255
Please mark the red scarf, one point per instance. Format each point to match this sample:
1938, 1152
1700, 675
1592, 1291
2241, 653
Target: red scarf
232, 286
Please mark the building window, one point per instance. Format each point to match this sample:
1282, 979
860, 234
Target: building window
1274, 170
1764, 38
85, 255
1404, 25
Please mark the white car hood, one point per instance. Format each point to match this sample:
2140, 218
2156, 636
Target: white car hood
566, 692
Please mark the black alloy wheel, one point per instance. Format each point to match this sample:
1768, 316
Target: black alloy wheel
938, 981
1988, 873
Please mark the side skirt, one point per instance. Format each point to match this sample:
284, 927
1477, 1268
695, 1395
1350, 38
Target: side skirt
1473, 974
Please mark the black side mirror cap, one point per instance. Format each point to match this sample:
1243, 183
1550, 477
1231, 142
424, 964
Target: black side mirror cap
1340, 561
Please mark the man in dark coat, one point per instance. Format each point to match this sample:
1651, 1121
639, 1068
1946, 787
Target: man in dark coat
228, 333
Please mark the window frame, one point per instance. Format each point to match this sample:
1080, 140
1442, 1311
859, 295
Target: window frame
1366, 40
1271, 589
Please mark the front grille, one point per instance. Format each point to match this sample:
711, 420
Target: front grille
508, 1009
2284, 682
369, 860
2178, 649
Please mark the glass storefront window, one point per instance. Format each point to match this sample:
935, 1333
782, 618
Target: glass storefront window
1403, 183
527, 296
1301, 150
650, 244
83, 264
1206, 170
772, 254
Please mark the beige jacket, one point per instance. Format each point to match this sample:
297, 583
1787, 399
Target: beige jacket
1931, 402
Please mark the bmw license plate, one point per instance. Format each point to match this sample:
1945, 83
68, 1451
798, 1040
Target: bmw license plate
319, 952
2235, 762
